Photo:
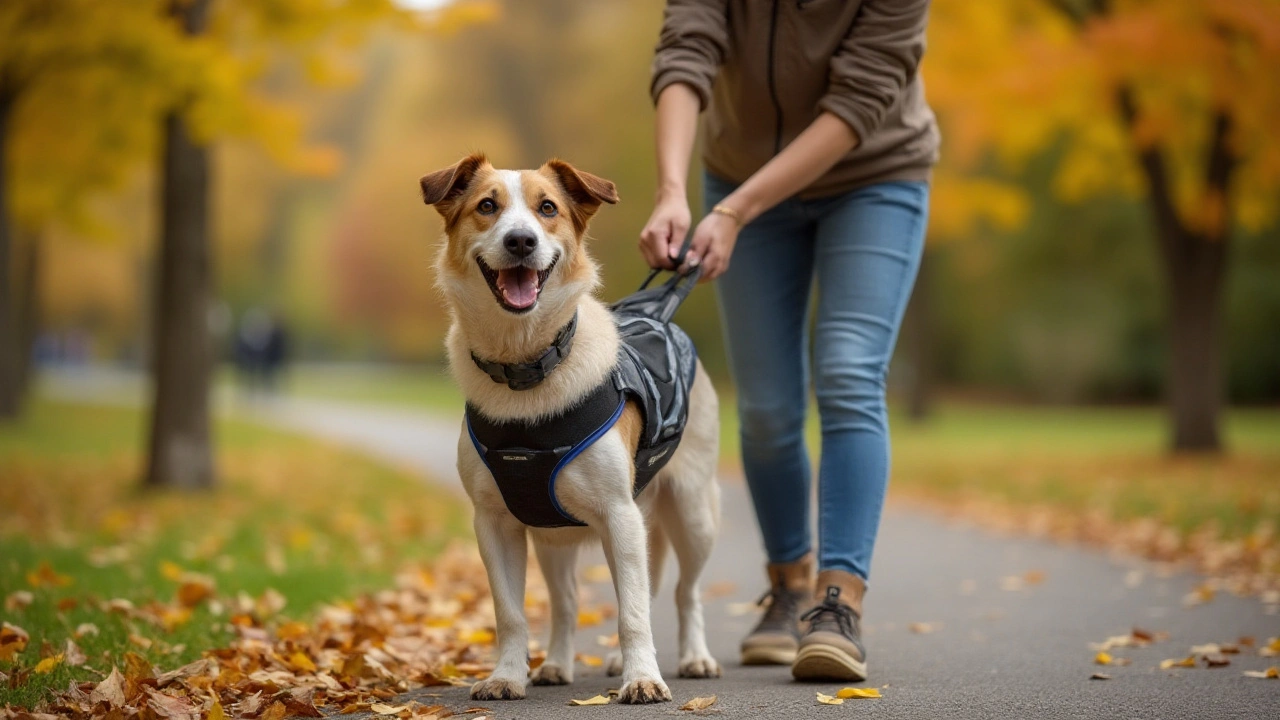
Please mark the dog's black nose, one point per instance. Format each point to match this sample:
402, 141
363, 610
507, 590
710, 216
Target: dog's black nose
520, 243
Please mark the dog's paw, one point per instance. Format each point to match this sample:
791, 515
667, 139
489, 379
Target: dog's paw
642, 692
552, 674
613, 664
497, 689
699, 667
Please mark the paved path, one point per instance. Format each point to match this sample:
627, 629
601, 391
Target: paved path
994, 652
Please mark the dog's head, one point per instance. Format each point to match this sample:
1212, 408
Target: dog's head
517, 235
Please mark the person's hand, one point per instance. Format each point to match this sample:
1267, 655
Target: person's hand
663, 235
713, 242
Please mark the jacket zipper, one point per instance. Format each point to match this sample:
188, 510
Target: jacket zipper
773, 82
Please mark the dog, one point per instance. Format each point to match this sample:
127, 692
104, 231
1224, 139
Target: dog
515, 274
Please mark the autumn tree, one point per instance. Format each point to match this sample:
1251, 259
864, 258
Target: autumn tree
63, 62
232, 41
1171, 100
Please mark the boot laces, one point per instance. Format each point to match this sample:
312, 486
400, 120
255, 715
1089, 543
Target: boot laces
831, 614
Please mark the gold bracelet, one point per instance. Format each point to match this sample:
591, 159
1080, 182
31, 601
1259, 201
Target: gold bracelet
726, 210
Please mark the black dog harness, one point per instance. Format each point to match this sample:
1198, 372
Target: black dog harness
655, 369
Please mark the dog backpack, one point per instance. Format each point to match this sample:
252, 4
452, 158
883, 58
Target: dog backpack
655, 369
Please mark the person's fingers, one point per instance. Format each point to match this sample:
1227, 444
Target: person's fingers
653, 238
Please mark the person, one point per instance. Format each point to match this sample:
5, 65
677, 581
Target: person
818, 148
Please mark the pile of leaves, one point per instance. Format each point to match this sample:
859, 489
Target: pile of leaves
432, 629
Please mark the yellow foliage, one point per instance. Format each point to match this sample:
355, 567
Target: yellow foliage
1010, 77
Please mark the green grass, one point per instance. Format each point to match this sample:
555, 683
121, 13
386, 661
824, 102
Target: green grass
312, 522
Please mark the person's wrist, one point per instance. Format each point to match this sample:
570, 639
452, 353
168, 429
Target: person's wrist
672, 190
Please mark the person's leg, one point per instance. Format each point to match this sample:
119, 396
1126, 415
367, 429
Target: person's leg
764, 299
869, 244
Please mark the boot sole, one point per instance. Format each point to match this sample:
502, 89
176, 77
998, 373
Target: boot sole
768, 656
823, 662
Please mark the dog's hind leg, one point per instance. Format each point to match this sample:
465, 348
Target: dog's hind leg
501, 538
558, 564
691, 518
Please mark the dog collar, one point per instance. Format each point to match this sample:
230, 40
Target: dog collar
523, 376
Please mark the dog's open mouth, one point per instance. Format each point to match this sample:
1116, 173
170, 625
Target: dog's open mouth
516, 288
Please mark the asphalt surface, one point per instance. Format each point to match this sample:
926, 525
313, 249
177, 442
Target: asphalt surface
992, 651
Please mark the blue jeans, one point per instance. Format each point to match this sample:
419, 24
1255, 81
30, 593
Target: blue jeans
864, 249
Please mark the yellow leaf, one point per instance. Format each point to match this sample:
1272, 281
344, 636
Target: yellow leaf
47, 665
477, 637
384, 709
829, 700
699, 703
300, 661
216, 712
1271, 673
1187, 662
852, 692
45, 576
1102, 658
587, 618
590, 660
597, 700
171, 570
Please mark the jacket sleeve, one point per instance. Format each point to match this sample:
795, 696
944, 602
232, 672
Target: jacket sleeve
691, 47
875, 62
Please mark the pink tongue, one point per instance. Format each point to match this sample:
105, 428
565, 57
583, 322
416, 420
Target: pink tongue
519, 286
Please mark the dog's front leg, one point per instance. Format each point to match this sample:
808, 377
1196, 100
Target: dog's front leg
626, 549
501, 538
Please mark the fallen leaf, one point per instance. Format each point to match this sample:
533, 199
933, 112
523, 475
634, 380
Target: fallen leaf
110, 690
170, 570
1142, 635
597, 700
384, 709
609, 641
1214, 660
84, 629
195, 590
1271, 673
75, 657
829, 700
923, 628
597, 574
1206, 649
738, 609
173, 708
699, 703
47, 665
1200, 595
216, 712
720, 589
1033, 577
45, 576
588, 618
469, 711
478, 637
1187, 662
300, 661
852, 692
1099, 676
590, 660
18, 600
275, 711
1102, 658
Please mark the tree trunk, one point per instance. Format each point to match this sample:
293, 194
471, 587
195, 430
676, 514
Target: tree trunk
28, 313
181, 453
1196, 268
10, 342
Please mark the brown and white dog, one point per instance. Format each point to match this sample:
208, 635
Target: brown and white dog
514, 268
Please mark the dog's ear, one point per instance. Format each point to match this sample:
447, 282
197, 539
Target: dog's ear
442, 187
587, 191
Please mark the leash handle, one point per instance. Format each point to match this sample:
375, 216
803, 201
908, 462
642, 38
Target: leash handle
694, 272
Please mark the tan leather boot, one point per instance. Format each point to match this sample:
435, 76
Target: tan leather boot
831, 647
776, 637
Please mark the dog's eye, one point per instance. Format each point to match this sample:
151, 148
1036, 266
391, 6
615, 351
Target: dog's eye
547, 208
487, 207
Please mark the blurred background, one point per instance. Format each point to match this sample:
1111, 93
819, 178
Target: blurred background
218, 198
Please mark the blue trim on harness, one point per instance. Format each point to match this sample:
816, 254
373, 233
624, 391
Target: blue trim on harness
574, 452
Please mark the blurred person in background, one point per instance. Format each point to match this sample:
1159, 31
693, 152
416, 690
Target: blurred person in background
818, 148
261, 350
